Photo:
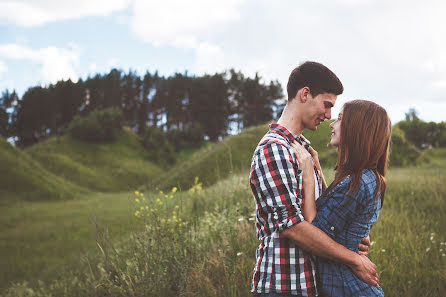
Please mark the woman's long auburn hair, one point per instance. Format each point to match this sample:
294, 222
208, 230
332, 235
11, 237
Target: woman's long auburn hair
364, 144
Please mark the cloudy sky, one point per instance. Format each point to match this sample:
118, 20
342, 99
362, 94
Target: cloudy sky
391, 52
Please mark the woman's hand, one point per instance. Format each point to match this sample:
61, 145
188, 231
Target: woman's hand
306, 165
303, 157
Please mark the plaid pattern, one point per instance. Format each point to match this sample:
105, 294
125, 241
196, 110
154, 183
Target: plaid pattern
276, 183
346, 218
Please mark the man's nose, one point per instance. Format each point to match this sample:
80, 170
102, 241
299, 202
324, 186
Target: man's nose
328, 114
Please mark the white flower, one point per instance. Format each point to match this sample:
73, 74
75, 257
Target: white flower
240, 219
383, 250
239, 254
428, 249
251, 219
372, 243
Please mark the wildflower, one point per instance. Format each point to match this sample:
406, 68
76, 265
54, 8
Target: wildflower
372, 243
428, 249
136, 200
147, 207
443, 255
171, 196
137, 213
240, 219
383, 250
174, 189
136, 193
239, 254
177, 206
251, 219
141, 208
432, 238
179, 225
161, 192
441, 250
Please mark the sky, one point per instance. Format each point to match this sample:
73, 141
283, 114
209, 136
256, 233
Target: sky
390, 52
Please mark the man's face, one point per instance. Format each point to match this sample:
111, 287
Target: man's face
318, 109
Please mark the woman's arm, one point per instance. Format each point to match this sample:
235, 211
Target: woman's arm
306, 165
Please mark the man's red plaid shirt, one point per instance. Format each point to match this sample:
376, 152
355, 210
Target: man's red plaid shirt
276, 183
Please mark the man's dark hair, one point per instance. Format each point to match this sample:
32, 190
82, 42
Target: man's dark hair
317, 77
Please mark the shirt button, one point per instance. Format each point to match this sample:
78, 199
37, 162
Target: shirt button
332, 228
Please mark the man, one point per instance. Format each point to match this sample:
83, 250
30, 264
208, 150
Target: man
284, 265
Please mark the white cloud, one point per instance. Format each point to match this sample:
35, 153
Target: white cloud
178, 21
56, 63
391, 52
30, 12
3, 67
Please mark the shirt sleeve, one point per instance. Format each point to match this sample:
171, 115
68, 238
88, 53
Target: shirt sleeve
338, 209
356, 210
278, 188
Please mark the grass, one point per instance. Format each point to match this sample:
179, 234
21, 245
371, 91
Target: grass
214, 162
24, 178
213, 252
109, 167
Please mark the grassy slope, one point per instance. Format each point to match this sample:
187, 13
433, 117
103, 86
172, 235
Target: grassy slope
233, 155
215, 162
24, 178
119, 166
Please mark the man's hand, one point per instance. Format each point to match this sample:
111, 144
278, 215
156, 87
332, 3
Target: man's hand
365, 270
364, 246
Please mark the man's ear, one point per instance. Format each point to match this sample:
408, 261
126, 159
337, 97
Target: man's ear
303, 94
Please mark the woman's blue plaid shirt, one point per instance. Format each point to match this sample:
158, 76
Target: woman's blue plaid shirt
347, 218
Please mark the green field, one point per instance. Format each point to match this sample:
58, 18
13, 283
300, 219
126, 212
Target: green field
200, 242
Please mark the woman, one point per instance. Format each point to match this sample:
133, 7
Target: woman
350, 206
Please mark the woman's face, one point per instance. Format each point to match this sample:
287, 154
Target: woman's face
336, 131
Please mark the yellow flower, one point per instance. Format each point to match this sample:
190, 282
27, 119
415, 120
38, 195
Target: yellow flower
142, 208
137, 213
177, 206
147, 207
136, 193
161, 192
136, 200
174, 189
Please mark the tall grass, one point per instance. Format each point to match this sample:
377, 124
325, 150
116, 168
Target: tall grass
202, 243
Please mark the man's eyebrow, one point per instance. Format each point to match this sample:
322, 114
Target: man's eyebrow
328, 104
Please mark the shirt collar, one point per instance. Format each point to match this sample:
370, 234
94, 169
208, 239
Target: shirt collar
288, 135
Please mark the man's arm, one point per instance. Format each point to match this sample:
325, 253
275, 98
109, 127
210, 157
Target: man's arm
314, 240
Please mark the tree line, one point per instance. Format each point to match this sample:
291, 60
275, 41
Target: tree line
211, 105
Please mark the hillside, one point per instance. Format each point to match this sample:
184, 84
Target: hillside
117, 166
23, 178
234, 153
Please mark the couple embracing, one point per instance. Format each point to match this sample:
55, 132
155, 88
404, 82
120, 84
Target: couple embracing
313, 238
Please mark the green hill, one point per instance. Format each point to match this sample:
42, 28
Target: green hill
214, 162
234, 153
118, 166
23, 178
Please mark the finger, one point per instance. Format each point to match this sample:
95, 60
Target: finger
363, 253
366, 240
363, 247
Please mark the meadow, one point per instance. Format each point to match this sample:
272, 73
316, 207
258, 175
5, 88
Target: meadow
191, 231
202, 242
